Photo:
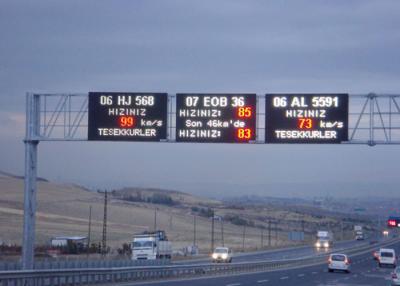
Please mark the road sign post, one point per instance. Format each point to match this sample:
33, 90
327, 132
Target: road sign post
31, 144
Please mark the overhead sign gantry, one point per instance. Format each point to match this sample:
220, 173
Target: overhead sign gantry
203, 118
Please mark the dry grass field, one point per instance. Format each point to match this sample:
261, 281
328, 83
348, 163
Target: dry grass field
64, 210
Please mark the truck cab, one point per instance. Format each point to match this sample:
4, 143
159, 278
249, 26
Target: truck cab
150, 246
359, 235
144, 248
324, 240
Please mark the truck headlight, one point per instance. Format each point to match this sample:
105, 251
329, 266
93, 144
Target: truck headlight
214, 256
224, 256
318, 244
326, 244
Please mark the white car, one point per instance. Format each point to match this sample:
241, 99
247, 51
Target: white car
396, 276
338, 261
222, 254
387, 256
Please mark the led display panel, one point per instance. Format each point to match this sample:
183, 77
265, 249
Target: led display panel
216, 118
123, 116
306, 118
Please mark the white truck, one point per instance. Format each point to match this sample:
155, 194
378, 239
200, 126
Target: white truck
358, 232
324, 239
150, 246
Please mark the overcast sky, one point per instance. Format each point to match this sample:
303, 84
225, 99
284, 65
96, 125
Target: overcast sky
202, 46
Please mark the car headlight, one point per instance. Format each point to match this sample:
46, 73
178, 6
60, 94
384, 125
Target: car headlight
326, 244
318, 244
214, 255
224, 256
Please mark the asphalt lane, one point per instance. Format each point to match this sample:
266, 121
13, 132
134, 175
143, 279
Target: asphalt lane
364, 271
287, 253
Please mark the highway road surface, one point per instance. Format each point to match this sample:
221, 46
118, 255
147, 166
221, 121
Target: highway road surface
365, 271
286, 253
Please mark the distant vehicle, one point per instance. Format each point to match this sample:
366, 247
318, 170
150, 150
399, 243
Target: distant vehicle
151, 246
324, 239
222, 254
385, 233
393, 221
396, 276
358, 232
375, 255
387, 256
339, 261
70, 244
359, 235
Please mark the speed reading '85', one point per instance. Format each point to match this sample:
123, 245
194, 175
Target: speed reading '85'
216, 118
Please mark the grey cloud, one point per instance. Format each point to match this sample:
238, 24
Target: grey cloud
201, 46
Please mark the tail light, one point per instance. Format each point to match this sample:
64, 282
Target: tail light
329, 260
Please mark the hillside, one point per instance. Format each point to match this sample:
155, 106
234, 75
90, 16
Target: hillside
64, 209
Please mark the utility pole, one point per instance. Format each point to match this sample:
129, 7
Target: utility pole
222, 232
341, 226
194, 230
89, 230
262, 238
212, 231
155, 219
269, 233
244, 237
104, 240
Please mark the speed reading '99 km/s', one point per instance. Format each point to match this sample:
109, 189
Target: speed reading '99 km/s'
122, 116
306, 118
216, 118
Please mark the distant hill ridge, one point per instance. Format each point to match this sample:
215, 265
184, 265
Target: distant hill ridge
176, 195
40, 179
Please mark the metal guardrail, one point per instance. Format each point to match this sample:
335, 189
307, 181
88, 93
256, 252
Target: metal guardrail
84, 276
82, 263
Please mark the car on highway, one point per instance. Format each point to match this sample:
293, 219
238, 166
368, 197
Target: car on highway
222, 254
339, 261
396, 276
387, 256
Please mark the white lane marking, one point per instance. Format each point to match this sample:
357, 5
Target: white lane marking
233, 284
284, 277
263, 281
313, 273
300, 275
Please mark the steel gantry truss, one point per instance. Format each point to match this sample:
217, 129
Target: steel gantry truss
373, 119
